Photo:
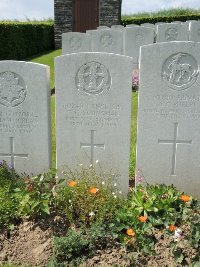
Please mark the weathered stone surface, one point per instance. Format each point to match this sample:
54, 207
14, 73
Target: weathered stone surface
75, 42
134, 37
150, 25
131, 25
194, 31
169, 115
117, 27
109, 41
93, 113
25, 128
102, 27
172, 32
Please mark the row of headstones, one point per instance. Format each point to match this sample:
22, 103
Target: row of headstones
93, 115
128, 40
93, 107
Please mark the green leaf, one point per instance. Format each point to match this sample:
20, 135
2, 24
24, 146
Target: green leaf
45, 209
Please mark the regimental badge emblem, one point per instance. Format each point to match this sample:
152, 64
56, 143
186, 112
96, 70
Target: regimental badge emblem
180, 71
171, 34
75, 43
93, 78
106, 40
12, 89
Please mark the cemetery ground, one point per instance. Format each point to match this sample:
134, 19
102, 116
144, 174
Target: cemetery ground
83, 220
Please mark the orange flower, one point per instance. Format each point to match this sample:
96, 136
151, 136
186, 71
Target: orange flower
93, 190
185, 198
172, 227
130, 232
72, 183
30, 187
142, 218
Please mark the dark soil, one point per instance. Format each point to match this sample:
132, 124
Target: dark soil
31, 244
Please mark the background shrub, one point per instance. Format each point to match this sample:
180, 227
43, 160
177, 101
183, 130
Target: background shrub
21, 40
139, 20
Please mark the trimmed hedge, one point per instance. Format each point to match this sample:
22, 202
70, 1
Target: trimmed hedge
138, 20
21, 40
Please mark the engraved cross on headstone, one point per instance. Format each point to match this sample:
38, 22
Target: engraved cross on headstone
92, 146
175, 142
12, 154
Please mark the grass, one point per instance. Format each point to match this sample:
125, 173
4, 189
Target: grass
53, 127
164, 12
48, 59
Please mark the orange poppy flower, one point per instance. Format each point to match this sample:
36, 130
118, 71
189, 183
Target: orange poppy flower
185, 198
93, 190
172, 227
72, 183
142, 218
130, 232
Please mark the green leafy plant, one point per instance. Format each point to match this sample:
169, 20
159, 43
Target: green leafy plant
8, 207
86, 197
79, 244
35, 195
8, 202
147, 210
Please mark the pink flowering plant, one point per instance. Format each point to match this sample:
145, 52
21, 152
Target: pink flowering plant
135, 80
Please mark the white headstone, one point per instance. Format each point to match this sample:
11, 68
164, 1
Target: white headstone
168, 137
131, 25
150, 25
134, 38
109, 41
102, 27
159, 23
90, 32
172, 32
117, 27
93, 112
75, 42
25, 126
194, 31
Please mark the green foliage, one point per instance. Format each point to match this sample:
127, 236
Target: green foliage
8, 203
79, 244
140, 20
80, 205
35, 195
20, 40
153, 208
166, 13
8, 207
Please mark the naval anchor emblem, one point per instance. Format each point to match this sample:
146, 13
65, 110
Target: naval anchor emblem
180, 71
93, 78
12, 89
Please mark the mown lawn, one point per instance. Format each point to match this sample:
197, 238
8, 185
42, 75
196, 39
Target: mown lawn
48, 59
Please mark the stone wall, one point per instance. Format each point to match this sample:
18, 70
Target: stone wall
109, 13
63, 17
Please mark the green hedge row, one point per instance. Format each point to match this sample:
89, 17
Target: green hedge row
21, 40
138, 20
